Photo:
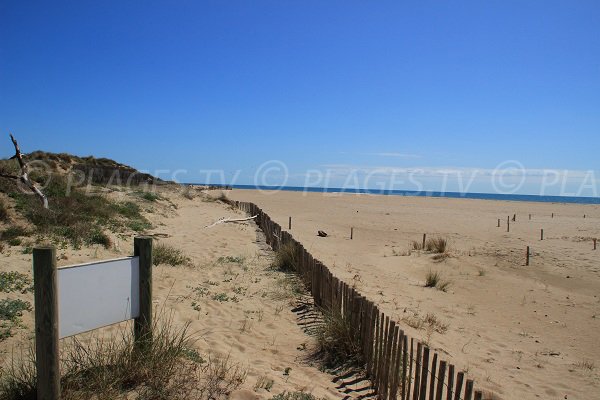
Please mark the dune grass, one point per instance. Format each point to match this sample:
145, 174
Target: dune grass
436, 245
337, 342
286, 258
169, 255
434, 279
114, 368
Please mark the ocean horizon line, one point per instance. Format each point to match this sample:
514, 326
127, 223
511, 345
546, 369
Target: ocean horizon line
413, 193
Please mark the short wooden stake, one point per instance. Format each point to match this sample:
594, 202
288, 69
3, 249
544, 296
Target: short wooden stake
142, 326
541, 234
508, 225
46, 323
595, 243
527, 257
290, 224
515, 218
351, 233
530, 217
498, 222
552, 215
424, 239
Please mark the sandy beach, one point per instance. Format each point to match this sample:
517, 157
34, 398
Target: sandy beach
520, 331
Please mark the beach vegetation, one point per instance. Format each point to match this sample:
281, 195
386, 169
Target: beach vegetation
286, 258
74, 216
437, 245
11, 311
299, 395
169, 255
337, 341
434, 279
13, 281
4, 217
113, 368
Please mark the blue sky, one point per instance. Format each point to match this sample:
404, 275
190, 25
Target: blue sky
351, 87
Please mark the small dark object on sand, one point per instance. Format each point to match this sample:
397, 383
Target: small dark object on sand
321, 233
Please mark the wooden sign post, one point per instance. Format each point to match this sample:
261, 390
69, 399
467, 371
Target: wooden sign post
142, 325
46, 323
89, 296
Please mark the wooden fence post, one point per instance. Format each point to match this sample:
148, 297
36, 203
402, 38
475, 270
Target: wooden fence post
595, 243
290, 224
530, 217
424, 239
142, 325
542, 234
46, 323
498, 222
552, 215
527, 257
351, 232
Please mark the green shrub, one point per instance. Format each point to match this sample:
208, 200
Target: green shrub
75, 216
99, 237
12, 233
13, 281
11, 312
3, 211
14, 241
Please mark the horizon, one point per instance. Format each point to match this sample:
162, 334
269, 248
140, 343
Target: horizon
495, 97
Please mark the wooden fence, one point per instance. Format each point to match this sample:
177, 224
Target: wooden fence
397, 365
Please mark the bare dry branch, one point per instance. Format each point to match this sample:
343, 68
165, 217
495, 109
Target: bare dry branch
225, 220
24, 178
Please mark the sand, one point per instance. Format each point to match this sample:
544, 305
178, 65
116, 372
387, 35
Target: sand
521, 332
236, 306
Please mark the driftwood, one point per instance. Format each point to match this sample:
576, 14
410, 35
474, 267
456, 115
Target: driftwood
321, 233
24, 178
225, 220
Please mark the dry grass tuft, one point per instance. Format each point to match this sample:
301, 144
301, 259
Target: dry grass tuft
437, 245
429, 322
169, 255
586, 365
433, 279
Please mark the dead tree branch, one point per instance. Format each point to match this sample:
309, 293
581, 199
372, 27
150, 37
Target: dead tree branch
225, 220
24, 178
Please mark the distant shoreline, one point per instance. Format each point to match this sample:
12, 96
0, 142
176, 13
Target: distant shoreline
451, 195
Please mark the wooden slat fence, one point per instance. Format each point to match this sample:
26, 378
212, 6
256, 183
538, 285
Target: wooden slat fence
398, 366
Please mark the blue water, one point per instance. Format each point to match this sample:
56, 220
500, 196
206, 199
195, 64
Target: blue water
454, 195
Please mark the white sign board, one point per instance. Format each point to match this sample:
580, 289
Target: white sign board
98, 294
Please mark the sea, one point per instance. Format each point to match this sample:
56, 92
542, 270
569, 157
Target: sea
452, 195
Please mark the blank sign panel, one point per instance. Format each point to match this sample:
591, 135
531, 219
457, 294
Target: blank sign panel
98, 294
